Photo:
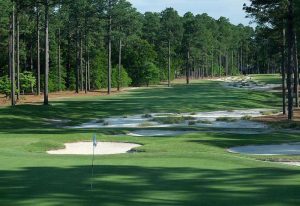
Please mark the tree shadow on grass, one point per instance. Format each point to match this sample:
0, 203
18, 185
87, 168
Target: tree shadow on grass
135, 185
224, 140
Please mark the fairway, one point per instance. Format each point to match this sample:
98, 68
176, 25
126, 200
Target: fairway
186, 169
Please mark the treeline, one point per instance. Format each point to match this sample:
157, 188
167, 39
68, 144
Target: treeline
83, 45
276, 40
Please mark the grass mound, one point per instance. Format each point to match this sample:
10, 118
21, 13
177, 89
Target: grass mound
172, 120
226, 119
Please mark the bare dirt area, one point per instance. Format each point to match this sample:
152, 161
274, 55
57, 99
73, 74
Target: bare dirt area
279, 118
34, 99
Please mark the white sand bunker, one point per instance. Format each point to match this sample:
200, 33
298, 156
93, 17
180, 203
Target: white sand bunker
86, 148
281, 149
217, 119
247, 83
291, 163
156, 133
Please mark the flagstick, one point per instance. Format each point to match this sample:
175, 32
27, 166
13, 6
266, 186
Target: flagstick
93, 166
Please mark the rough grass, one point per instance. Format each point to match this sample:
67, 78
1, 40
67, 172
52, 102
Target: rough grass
267, 79
226, 119
172, 120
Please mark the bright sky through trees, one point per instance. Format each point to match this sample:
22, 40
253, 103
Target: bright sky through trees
232, 9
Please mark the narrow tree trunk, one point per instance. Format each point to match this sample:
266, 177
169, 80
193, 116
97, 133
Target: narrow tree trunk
238, 61
120, 64
86, 62
81, 66
68, 79
77, 60
59, 61
46, 100
220, 64
38, 79
169, 64
283, 73
212, 64
242, 62
290, 66
109, 50
232, 62
296, 74
227, 64
89, 72
188, 68
18, 56
206, 65
12, 56
31, 55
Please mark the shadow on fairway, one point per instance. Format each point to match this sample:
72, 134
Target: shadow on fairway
223, 140
133, 185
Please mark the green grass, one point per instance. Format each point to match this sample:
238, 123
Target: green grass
226, 119
268, 79
192, 169
172, 119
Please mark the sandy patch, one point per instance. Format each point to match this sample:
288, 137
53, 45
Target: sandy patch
246, 82
86, 148
281, 149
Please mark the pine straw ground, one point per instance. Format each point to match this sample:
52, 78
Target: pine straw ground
35, 99
281, 120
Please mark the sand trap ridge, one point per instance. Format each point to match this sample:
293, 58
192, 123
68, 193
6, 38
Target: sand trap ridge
86, 148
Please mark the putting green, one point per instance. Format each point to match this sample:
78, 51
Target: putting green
189, 169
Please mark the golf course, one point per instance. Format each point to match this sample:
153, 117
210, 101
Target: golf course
189, 169
149, 103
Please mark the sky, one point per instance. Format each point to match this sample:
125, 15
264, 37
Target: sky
232, 9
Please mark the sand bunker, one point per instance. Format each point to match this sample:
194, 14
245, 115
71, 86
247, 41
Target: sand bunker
199, 119
157, 133
291, 163
247, 83
281, 149
86, 148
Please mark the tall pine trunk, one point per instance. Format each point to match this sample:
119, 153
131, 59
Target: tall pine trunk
88, 71
12, 56
283, 72
77, 72
188, 68
169, 63
81, 65
296, 73
212, 64
59, 61
46, 98
290, 63
109, 49
18, 56
120, 65
38, 61
232, 62
220, 64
